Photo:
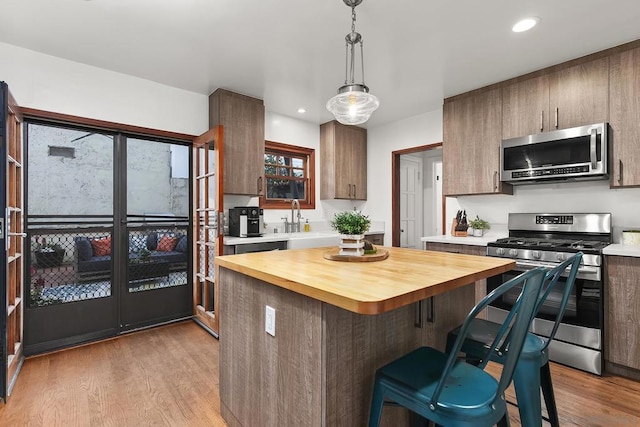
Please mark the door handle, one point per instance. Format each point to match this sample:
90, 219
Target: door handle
556, 118
594, 159
354, 191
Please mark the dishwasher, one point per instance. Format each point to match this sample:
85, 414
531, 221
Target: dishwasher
255, 247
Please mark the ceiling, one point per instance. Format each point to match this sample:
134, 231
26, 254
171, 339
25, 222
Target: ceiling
291, 52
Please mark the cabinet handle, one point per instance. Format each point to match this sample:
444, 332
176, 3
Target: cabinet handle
495, 180
259, 185
431, 311
354, 191
541, 120
349, 190
556, 120
620, 171
419, 323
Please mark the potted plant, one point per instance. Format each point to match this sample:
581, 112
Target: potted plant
351, 225
479, 225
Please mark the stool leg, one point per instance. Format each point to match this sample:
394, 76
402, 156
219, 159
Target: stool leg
376, 405
526, 380
549, 397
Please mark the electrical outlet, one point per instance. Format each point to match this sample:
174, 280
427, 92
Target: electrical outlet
270, 321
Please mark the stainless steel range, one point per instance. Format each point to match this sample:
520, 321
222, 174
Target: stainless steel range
546, 240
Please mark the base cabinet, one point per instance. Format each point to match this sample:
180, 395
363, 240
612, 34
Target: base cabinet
456, 248
622, 312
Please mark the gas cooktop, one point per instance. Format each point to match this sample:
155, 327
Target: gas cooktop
571, 245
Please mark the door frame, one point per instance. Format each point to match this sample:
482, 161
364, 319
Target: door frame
395, 188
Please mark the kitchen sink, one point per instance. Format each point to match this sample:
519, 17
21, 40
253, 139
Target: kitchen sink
312, 239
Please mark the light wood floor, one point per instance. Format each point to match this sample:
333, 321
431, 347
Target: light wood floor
168, 376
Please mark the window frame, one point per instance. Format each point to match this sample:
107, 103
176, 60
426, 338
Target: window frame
288, 150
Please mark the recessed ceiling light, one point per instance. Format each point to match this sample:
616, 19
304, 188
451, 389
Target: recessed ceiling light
301, 110
525, 24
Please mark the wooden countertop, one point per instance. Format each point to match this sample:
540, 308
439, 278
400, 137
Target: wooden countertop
407, 276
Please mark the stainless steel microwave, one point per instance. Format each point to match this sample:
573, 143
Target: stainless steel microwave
578, 153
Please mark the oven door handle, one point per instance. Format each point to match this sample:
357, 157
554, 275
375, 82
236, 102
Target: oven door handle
523, 266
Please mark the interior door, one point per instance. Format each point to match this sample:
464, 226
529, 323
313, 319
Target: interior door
208, 195
410, 201
11, 241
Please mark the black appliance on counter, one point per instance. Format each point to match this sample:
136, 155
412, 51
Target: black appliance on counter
546, 240
246, 221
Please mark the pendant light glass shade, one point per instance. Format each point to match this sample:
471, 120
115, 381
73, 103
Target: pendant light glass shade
353, 105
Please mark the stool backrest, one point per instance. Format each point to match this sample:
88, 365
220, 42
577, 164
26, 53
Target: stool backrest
551, 281
512, 333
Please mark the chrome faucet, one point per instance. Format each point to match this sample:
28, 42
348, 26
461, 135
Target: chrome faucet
295, 225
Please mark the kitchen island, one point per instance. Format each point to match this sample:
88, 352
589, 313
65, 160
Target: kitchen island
335, 324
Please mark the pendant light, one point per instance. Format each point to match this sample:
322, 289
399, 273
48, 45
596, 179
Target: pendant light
353, 104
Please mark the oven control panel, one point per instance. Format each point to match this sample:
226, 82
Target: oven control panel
554, 219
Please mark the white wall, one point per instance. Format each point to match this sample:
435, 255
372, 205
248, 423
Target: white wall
589, 196
289, 130
53, 84
382, 140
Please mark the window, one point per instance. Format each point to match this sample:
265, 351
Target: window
289, 174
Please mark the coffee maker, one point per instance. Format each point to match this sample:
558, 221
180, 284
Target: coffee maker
246, 221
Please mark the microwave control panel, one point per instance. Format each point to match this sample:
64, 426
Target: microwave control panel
550, 171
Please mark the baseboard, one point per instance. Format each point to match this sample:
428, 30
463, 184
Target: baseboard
623, 371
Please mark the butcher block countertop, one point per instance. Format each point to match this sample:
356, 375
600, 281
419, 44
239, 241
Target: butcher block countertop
407, 276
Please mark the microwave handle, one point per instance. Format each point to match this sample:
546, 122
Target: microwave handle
594, 158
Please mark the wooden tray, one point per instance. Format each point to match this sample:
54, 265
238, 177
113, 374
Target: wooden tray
334, 255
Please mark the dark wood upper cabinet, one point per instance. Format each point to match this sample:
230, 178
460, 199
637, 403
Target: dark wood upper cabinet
624, 90
343, 162
471, 147
573, 96
242, 118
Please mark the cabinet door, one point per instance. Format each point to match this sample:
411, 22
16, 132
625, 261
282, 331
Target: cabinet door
343, 162
359, 171
525, 108
579, 95
622, 327
242, 118
624, 88
471, 148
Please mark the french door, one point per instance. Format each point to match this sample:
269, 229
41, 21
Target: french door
11, 241
108, 222
208, 197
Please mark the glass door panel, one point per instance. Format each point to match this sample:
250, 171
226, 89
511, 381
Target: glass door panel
157, 234
70, 231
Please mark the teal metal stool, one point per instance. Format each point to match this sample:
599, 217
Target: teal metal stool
450, 392
532, 371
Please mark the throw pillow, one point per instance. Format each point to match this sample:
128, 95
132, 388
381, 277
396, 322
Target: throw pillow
137, 242
152, 241
85, 251
101, 247
167, 244
181, 246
